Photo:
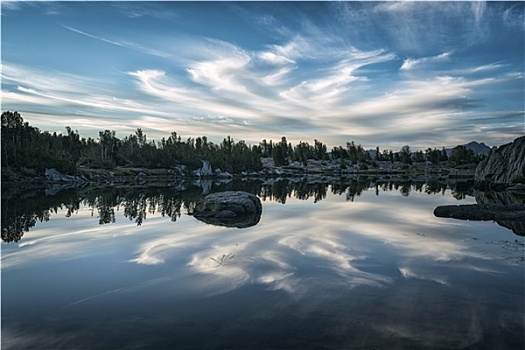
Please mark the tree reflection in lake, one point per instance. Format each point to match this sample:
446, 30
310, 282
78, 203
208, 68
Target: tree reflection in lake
23, 211
20, 213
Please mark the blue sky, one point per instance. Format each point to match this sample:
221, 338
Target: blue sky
426, 74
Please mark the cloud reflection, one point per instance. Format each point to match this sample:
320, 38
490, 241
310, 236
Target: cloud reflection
284, 251
382, 266
409, 273
281, 251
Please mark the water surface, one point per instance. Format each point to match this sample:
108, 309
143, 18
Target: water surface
325, 268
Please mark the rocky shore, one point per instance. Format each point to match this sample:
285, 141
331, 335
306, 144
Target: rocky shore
319, 169
502, 169
500, 191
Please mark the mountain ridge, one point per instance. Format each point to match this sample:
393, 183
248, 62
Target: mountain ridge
477, 147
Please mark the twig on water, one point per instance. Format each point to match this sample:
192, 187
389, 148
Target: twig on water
223, 259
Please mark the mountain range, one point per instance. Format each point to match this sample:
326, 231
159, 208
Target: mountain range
476, 147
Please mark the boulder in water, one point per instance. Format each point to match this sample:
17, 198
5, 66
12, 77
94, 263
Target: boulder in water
231, 209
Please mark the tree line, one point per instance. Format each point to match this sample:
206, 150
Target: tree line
25, 147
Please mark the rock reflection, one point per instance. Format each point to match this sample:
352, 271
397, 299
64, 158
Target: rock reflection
242, 221
506, 208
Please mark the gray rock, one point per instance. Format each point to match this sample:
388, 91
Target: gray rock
231, 209
504, 164
223, 214
206, 169
223, 174
55, 175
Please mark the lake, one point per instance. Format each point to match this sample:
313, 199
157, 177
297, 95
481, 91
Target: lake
352, 265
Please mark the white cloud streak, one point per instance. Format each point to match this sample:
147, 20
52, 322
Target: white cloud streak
93, 36
122, 43
411, 63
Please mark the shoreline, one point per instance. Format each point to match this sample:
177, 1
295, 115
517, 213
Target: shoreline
29, 177
460, 178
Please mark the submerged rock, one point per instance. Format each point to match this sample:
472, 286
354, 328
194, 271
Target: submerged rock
231, 209
510, 216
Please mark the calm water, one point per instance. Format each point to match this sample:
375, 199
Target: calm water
326, 267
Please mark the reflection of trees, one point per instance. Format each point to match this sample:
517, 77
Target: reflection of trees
405, 189
434, 187
135, 208
137, 203
22, 211
171, 206
279, 191
106, 210
13, 230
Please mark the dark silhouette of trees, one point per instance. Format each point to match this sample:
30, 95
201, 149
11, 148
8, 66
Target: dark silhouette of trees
419, 157
405, 156
278, 155
27, 149
108, 145
378, 156
433, 155
24, 146
461, 155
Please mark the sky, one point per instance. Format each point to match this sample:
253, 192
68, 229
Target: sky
388, 74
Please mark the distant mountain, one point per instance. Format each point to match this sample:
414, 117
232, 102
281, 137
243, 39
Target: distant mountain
476, 147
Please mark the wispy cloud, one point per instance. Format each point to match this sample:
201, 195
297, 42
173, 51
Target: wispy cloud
515, 16
10, 6
478, 9
49, 8
94, 36
122, 43
417, 27
411, 63
137, 10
